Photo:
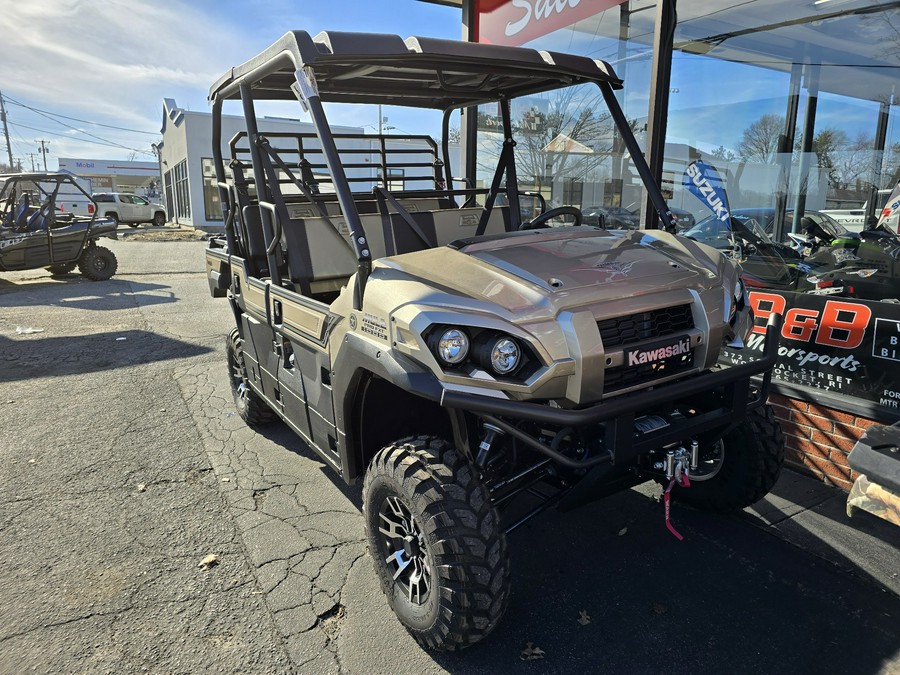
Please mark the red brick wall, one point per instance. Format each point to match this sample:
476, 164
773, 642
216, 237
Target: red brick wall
818, 439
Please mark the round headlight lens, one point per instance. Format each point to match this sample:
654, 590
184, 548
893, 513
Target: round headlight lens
453, 347
505, 356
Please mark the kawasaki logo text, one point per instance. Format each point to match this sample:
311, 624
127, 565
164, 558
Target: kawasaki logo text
638, 356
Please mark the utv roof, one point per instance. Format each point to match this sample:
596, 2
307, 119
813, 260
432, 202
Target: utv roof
37, 175
419, 71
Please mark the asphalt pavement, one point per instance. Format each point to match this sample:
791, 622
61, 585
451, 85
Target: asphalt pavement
123, 467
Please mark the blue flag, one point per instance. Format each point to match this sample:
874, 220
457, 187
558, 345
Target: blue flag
706, 184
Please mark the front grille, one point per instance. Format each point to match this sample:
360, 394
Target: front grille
645, 325
623, 377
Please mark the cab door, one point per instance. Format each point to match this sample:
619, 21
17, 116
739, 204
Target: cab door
24, 250
141, 209
304, 370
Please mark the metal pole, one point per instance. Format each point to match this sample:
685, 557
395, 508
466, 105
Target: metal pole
809, 129
660, 80
6, 131
43, 151
259, 182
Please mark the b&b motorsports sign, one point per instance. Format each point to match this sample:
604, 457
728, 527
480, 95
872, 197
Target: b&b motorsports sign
845, 346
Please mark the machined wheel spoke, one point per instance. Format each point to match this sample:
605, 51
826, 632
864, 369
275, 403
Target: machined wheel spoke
407, 544
394, 530
397, 558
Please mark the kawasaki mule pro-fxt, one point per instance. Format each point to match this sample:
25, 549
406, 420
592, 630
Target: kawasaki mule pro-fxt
473, 364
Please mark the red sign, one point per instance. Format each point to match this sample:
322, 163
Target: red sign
515, 22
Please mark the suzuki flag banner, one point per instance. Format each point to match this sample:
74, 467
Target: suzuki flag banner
705, 183
891, 207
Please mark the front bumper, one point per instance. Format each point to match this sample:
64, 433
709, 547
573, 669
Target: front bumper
622, 439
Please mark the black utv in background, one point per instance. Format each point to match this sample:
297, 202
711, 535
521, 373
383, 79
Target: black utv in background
36, 231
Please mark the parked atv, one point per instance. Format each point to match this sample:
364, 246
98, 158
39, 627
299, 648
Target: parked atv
470, 363
863, 265
824, 258
35, 232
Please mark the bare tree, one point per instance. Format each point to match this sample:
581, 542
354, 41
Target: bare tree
724, 154
567, 137
759, 142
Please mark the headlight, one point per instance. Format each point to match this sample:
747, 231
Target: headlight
498, 353
505, 356
470, 350
452, 346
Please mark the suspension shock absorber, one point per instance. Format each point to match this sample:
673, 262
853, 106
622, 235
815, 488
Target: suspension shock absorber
491, 433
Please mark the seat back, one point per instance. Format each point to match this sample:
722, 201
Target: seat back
332, 260
38, 220
20, 213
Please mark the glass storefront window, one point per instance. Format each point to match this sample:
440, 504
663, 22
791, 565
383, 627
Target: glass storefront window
182, 191
212, 204
567, 148
793, 105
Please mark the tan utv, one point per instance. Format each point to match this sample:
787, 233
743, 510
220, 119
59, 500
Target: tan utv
471, 356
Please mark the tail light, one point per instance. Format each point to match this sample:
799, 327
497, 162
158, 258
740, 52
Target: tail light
90, 208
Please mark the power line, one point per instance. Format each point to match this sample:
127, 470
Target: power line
80, 140
81, 131
75, 119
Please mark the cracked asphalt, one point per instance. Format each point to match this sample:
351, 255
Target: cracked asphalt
123, 464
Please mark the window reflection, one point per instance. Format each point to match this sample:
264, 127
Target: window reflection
794, 105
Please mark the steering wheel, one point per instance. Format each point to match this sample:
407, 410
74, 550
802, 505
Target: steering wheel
540, 220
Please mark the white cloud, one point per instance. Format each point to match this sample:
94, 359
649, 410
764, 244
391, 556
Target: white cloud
110, 62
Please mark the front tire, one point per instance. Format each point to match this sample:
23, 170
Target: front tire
251, 408
436, 543
98, 263
741, 468
159, 219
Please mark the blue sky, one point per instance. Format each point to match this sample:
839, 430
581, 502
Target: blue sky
113, 62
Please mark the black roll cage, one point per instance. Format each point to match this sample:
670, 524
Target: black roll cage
384, 69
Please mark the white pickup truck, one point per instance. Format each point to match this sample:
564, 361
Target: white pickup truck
855, 219
128, 208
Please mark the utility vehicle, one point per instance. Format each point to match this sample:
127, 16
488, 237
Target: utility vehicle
471, 363
36, 230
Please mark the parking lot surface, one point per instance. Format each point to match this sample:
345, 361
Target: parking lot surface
123, 466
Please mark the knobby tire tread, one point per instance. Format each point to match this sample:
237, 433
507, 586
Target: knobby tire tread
463, 529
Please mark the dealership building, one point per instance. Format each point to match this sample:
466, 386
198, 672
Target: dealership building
186, 164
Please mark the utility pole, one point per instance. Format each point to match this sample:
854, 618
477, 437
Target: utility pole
6, 131
31, 154
44, 151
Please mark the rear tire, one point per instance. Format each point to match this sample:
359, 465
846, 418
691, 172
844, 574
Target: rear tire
59, 270
436, 543
251, 408
115, 218
750, 457
98, 263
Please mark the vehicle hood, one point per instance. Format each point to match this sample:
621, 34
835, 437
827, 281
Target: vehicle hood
564, 267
